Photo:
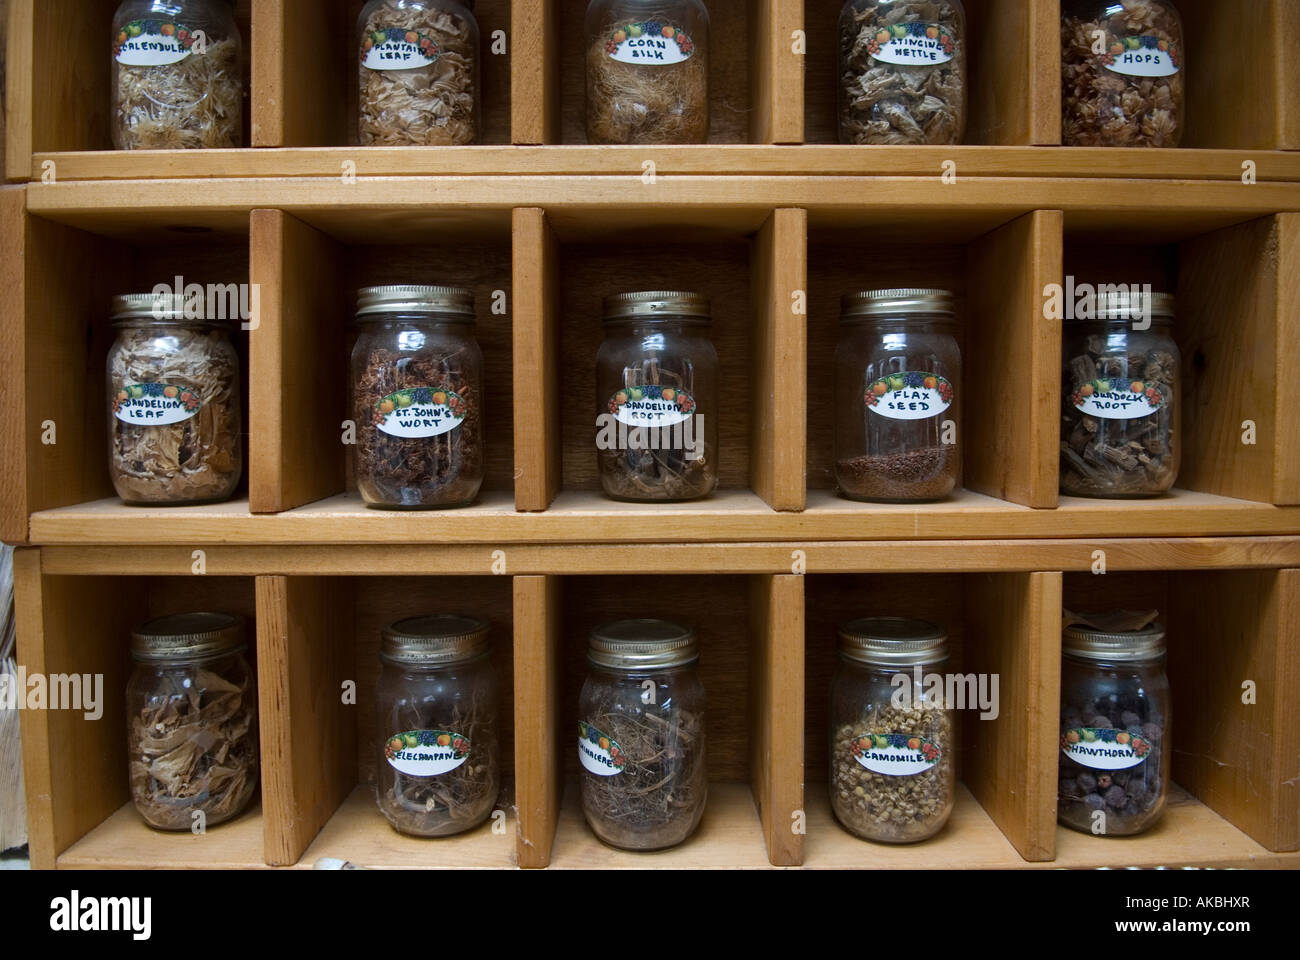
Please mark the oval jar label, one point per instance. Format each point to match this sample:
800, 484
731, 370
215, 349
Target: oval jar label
1142, 57
909, 396
1104, 748
896, 754
426, 753
913, 44
1118, 399
155, 404
650, 42
598, 753
397, 48
651, 406
420, 412
152, 43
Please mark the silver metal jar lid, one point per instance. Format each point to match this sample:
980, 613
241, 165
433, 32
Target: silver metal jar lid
893, 641
150, 306
643, 643
188, 636
657, 304
1088, 643
1131, 305
413, 298
895, 302
434, 640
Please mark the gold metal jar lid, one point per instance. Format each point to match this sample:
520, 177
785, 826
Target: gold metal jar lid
642, 644
1132, 305
1088, 643
895, 302
188, 636
413, 298
167, 308
893, 641
434, 640
657, 304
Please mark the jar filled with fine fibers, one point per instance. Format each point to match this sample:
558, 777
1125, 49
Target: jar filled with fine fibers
1115, 713
657, 398
891, 757
1122, 73
177, 79
417, 387
897, 391
647, 71
191, 713
1121, 408
174, 413
419, 73
902, 71
437, 702
641, 734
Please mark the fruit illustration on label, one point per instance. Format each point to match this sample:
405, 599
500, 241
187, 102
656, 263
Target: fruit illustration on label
135, 29
387, 406
1086, 390
404, 400
1162, 45
669, 394
880, 388
619, 36
635, 30
1123, 737
444, 739
412, 37
1137, 386
168, 29
668, 32
171, 393
882, 36
410, 739
914, 743
1133, 43
1072, 736
1116, 48
881, 741
439, 397
396, 744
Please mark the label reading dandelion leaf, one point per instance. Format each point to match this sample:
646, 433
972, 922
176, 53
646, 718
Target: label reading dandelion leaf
598, 753
155, 404
1142, 57
650, 43
420, 412
896, 754
910, 395
152, 43
426, 753
397, 48
913, 44
1104, 748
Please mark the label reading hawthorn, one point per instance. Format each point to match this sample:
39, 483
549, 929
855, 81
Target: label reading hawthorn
910, 395
598, 753
152, 43
420, 412
1142, 57
1118, 399
895, 754
155, 404
426, 753
396, 48
650, 42
1104, 748
913, 44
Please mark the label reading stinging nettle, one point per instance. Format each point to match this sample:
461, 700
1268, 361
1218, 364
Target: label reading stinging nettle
910, 395
1118, 399
896, 754
1142, 57
420, 412
426, 753
650, 42
152, 43
155, 404
598, 753
397, 48
651, 406
913, 44
1104, 748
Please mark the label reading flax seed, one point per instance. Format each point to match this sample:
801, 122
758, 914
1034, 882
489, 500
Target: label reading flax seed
910, 395
896, 754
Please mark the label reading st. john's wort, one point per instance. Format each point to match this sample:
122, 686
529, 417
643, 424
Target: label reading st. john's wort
420, 412
911, 395
155, 404
426, 753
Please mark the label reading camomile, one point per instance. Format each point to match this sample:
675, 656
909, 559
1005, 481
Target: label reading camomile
896, 754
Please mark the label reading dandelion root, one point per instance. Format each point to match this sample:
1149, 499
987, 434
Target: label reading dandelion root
598, 753
426, 753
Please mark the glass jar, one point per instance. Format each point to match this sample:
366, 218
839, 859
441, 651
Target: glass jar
191, 711
641, 734
902, 71
1131, 93
1115, 712
657, 398
892, 744
1120, 412
174, 419
178, 77
417, 387
419, 73
897, 390
647, 71
437, 700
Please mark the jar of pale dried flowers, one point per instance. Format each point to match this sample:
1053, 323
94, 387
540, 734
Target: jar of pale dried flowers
902, 71
417, 389
891, 753
177, 77
191, 721
419, 73
641, 734
1122, 73
437, 705
647, 71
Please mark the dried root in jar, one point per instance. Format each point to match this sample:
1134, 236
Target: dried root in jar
199, 458
195, 102
883, 102
433, 105
194, 747
1105, 108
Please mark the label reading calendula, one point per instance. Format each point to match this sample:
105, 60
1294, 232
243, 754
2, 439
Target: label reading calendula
420, 412
913, 44
598, 753
155, 404
426, 753
152, 43
1142, 57
896, 754
649, 42
1118, 399
397, 48
909, 396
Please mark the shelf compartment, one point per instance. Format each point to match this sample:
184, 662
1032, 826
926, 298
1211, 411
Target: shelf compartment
125, 842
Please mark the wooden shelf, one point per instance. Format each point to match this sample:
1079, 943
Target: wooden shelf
125, 842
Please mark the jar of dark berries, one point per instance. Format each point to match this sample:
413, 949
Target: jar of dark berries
1121, 406
892, 757
438, 770
1115, 711
641, 734
656, 398
897, 392
417, 387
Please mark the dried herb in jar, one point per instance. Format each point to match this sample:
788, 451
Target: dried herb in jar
929, 473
